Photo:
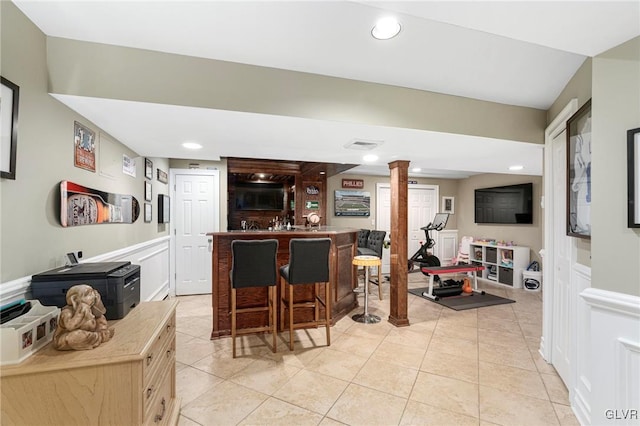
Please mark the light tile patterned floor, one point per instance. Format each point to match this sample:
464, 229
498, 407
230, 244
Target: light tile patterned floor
474, 367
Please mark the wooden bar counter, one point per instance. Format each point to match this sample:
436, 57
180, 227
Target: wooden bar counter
343, 249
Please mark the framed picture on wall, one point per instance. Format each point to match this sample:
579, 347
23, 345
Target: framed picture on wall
352, 203
447, 205
579, 173
147, 191
148, 209
148, 168
163, 208
84, 141
9, 139
633, 172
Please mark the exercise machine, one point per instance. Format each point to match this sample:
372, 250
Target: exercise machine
422, 257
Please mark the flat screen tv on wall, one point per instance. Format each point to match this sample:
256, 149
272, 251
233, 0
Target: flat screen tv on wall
505, 204
259, 196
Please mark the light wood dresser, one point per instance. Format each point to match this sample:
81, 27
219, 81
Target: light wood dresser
130, 380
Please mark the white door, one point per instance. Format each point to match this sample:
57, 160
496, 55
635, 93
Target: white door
422, 207
560, 352
195, 214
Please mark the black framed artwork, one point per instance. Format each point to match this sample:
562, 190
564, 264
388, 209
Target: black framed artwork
163, 208
579, 173
148, 168
9, 139
148, 211
633, 176
147, 191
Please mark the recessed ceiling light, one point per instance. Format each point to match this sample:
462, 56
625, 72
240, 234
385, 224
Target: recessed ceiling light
416, 169
370, 157
322, 173
191, 145
386, 28
516, 167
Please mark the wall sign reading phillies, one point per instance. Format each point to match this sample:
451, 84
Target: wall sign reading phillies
80, 205
353, 183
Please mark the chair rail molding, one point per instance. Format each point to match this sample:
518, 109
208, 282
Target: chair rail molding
152, 256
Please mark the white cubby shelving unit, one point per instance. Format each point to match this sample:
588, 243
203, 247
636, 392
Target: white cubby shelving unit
503, 264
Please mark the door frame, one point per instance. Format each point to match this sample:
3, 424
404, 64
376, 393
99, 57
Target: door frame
172, 225
381, 185
548, 271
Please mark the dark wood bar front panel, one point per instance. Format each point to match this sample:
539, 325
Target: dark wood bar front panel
343, 248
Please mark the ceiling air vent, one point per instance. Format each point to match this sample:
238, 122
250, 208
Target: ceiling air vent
362, 145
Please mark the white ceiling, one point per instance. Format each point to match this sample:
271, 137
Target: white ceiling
513, 52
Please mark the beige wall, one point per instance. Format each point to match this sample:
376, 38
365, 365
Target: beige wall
447, 187
92, 69
32, 238
522, 235
615, 109
578, 87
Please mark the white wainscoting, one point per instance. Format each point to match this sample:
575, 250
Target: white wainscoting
447, 246
581, 346
152, 256
615, 355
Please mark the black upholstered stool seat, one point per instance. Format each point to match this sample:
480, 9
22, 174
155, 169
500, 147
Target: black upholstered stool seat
254, 265
373, 247
308, 264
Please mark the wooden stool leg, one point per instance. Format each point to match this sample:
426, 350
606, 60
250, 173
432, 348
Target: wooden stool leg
327, 310
233, 319
283, 287
316, 304
379, 282
290, 317
274, 315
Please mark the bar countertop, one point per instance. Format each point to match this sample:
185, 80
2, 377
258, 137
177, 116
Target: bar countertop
298, 229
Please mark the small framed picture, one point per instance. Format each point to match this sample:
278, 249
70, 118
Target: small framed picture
447, 205
633, 170
147, 191
148, 168
147, 212
162, 176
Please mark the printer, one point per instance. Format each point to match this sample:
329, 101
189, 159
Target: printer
117, 282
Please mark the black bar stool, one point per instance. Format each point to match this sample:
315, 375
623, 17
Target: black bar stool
375, 243
254, 265
308, 264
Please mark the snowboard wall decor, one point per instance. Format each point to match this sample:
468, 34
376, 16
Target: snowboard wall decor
80, 205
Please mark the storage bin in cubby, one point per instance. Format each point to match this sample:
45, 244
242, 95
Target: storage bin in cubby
491, 254
505, 276
24, 335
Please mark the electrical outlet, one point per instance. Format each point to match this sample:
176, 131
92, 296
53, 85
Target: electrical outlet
73, 257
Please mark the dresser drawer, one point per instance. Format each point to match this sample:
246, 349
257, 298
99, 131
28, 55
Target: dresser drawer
161, 404
158, 350
157, 385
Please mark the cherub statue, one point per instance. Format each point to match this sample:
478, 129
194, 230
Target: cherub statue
82, 324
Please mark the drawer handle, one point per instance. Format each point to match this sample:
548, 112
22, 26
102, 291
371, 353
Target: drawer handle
168, 353
159, 417
149, 392
149, 358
